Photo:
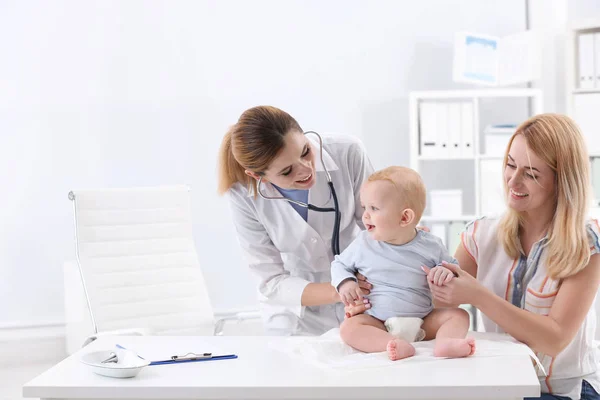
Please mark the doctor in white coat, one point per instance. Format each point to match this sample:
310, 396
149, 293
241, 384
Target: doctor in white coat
287, 246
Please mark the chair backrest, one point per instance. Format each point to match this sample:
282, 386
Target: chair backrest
138, 261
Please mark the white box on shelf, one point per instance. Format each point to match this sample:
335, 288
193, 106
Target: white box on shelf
497, 138
446, 203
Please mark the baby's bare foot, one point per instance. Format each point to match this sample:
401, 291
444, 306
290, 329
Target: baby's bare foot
454, 348
398, 349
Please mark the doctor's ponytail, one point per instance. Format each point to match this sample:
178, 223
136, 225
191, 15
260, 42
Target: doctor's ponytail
252, 144
230, 171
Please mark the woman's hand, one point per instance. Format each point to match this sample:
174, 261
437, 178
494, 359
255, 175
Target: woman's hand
462, 289
364, 285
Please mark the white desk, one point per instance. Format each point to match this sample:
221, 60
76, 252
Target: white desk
261, 372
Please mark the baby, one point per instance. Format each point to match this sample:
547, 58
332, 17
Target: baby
391, 253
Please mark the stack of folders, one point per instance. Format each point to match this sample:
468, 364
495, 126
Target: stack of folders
446, 129
589, 60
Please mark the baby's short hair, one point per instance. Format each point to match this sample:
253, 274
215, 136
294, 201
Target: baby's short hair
411, 189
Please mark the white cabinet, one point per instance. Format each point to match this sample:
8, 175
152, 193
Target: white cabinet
492, 187
582, 73
445, 128
586, 112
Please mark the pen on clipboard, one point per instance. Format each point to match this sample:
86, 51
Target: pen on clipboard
191, 357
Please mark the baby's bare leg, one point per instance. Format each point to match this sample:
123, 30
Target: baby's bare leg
449, 326
368, 334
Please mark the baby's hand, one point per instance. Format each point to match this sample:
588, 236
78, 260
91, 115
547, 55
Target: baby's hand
440, 275
350, 292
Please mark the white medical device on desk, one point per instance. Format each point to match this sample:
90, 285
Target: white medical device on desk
119, 363
125, 363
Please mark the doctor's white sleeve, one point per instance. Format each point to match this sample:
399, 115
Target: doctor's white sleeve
276, 284
360, 168
343, 266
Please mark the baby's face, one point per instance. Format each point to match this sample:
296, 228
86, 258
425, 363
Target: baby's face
382, 210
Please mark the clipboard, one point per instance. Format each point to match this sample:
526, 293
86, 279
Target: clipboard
189, 357
194, 359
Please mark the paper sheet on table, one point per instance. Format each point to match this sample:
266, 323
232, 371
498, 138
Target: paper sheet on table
329, 351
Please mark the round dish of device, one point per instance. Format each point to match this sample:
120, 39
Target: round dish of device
126, 365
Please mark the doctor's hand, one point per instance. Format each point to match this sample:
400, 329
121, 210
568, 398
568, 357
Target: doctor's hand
461, 289
358, 307
349, 292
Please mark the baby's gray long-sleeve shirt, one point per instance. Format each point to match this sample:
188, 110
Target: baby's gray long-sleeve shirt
399, 284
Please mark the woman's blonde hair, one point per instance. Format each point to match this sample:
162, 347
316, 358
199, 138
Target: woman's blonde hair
252, 144
556, 139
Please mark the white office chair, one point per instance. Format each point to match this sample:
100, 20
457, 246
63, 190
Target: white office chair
138, 264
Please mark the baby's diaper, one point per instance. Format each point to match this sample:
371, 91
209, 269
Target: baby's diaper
407, 328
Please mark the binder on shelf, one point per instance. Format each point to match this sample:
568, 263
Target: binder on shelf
597, 59
586, 61
585, 108
427, 129
442, 129
467, 125
454, 130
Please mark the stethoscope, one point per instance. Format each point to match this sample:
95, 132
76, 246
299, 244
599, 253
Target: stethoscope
335, 239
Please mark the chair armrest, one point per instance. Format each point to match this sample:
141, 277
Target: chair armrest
237, 317
117, 332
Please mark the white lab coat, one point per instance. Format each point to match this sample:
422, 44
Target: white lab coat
286, 252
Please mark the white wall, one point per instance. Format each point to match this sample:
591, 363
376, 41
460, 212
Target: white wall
550, 18
129, 93
583, 9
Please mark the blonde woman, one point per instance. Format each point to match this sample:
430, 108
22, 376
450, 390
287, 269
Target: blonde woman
535, 271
